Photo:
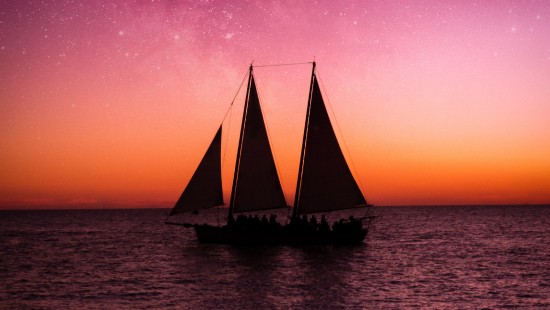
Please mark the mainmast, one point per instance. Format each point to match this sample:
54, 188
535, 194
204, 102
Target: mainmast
303, 152
239, 149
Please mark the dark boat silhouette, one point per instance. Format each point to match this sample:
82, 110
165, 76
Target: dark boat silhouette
325, 183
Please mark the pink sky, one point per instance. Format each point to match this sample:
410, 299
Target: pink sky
113, 103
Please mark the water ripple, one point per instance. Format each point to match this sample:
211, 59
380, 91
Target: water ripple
433, 257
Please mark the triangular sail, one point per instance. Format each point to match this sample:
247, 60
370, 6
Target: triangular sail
327, 183
258, 186
204, 190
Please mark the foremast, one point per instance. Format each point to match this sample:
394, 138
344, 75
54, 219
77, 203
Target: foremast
303, 151
239, 149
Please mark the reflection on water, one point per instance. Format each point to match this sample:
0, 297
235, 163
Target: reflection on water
414, 257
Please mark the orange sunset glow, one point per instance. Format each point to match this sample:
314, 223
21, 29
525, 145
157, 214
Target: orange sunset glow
113, 104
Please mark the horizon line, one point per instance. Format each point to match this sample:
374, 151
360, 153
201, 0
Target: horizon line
62, 207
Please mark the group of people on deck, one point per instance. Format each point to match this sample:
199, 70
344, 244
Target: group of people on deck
254, 222
302, 224
343, 225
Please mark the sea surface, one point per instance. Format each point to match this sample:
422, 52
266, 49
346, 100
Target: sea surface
414, 257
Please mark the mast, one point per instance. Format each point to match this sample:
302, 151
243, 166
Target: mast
302, 153
239, 149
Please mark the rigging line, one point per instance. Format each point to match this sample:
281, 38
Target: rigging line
270, 140
230, 112
279, 65
235, 97
341, 135
226, 139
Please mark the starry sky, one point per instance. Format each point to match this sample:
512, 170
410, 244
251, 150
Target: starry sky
113, 103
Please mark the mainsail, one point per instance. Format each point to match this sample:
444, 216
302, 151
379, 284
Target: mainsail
257, 185
204, 190
327, 183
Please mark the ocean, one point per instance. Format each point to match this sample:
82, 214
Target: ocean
414, 257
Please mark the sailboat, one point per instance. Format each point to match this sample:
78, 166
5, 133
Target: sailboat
324, 184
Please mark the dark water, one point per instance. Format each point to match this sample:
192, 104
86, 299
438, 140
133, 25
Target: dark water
429, 257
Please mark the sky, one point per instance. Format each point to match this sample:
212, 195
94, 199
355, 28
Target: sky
113, 103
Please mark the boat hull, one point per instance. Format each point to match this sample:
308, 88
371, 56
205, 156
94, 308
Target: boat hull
284, 235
